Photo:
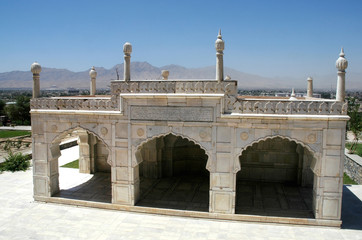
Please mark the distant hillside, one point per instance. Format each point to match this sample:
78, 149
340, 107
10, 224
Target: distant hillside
64, 78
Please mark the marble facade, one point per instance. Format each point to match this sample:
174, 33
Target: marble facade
127, 132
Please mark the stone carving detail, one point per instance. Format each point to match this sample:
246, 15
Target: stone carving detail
312, 138
104, 131
284, 107
54, 128
203, 134
110, 104
188, 114
244, 136
140, 132
210, 86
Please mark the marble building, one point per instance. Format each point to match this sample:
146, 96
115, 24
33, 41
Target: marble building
196, 148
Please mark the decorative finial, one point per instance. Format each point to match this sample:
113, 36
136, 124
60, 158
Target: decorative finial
292, 96
219, 36
127, 48
219, 43
342, 53
165, 74
93, 73
341, 63
35, 68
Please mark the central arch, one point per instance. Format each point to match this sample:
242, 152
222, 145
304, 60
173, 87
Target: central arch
276, 178
173, 173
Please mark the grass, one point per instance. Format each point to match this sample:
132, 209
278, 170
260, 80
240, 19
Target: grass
348, 180
74, 164
13, 133
358, 149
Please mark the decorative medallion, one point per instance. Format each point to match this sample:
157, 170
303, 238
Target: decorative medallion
244, 136
54, 128
104, 131
312, 138
203, 134
140, 132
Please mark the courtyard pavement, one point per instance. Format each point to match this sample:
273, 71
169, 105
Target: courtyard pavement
23, 218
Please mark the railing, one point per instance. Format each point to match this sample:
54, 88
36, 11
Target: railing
301, 107
76, 103
171, 86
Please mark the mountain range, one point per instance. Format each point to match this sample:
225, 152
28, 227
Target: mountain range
63, 78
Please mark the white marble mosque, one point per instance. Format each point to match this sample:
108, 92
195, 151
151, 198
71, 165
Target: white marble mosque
196, 148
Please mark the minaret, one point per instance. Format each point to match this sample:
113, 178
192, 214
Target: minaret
219, 45
310, 87
341, 65
127, 49
93, 75
36, 69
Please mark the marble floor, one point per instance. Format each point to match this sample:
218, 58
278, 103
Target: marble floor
192, 193
273, 199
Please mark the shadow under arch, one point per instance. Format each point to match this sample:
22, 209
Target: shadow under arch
207, 152
173, 173
315, 164
275, 176
92, 180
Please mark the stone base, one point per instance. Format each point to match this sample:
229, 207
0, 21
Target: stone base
172, 212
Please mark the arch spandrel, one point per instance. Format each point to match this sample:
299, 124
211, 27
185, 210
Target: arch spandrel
136, 149
315, 165
57, 139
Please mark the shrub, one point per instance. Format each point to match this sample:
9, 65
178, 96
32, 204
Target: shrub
15, 162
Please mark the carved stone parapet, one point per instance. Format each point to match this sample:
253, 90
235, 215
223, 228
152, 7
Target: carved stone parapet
103, 104
265, 106
191, 87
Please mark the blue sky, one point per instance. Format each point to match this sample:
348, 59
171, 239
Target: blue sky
269, 38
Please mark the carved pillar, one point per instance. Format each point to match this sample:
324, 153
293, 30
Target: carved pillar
86, 144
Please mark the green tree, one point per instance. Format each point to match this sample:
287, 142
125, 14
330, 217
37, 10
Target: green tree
2, 106
355, 122
20, 111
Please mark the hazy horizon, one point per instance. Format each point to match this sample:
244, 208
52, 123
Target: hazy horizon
267, 38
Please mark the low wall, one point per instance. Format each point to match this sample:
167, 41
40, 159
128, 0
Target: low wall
353, 167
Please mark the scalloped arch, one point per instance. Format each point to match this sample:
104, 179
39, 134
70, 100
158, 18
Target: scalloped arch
61, 135
237, 164
209, 159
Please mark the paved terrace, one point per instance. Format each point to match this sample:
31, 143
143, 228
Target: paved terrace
22, 218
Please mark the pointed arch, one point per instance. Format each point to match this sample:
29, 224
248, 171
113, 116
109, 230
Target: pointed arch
207, 152
63, 134
314, 154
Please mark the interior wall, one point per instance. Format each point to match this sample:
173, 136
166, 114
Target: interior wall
272, 160
172, 156
188, 159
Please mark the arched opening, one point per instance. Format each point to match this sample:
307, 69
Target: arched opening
173, 174
275, 179
81, 159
